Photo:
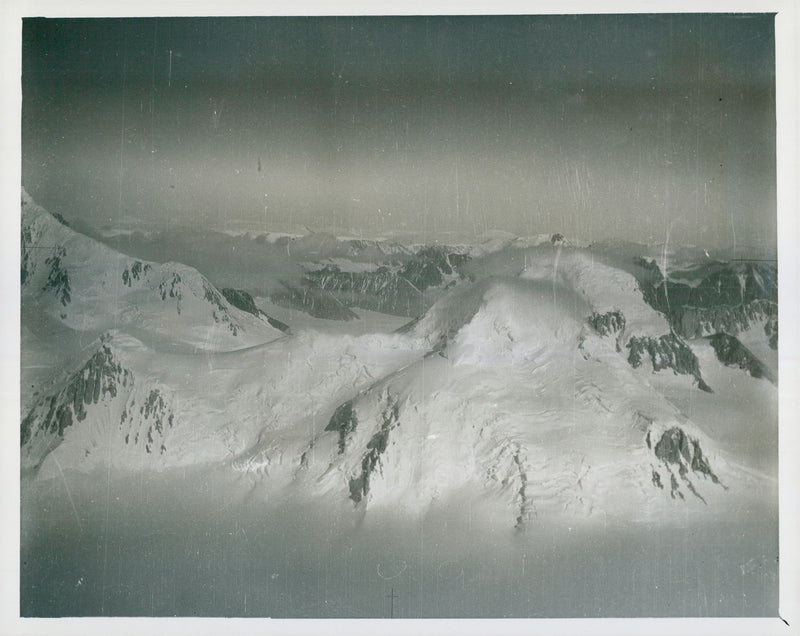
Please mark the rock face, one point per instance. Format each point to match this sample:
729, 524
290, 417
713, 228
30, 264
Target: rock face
100, 401
308, 297
344, 421
148, 424
679, 452
611, 323
241, 299
714, 284
390, 418
696, 322
244, 301
733, 353
102, 376
97, 384
666, 352
58, 276
398, 286
722, 297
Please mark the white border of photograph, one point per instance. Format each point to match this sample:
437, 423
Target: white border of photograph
787, 33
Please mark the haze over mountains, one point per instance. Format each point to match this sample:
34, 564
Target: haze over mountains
444, 397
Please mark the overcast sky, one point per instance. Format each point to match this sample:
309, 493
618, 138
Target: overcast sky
624, 126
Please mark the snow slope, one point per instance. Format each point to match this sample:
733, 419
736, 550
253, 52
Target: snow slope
90, 287
511, 410
522, 386
538, 393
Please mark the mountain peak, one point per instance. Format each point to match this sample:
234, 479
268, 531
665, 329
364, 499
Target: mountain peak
88, 285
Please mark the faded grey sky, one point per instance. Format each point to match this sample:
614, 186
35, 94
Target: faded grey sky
594, 126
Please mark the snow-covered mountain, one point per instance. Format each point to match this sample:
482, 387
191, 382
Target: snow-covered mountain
90, 287
511, 406
540, 385
323, 275
525, 384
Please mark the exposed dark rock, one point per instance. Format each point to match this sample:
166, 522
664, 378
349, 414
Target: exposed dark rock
277, 324
609, 323
359, 486
244, 301
657, 480
155, 409
771, 329
100, 377
381, 290
135, 272
171, 289
718, 284
406, 328
216, 299
241, 300
525, 504
733, 353
700, 463
678, 451
429, 266
314, 301
58, 278
673, 445
726, 297
344, 420
674, 489
58, 217
666, 352
397, 287
695, 322
642, 421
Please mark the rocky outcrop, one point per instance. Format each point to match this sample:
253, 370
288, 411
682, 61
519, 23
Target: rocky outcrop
241, 299
430, 265
100, 378
666, 352
611, 323
715, 284
343, 421
390, 418
171, 286
308, 297
526, 509
135, 272
723, 297
696, 322
148, 423
509, 467
733, 353
380, 290
220, 312
395, 287
103, 388
58, 277
244, 301
677, 451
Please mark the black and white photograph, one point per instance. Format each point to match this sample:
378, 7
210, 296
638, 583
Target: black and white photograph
399, 316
